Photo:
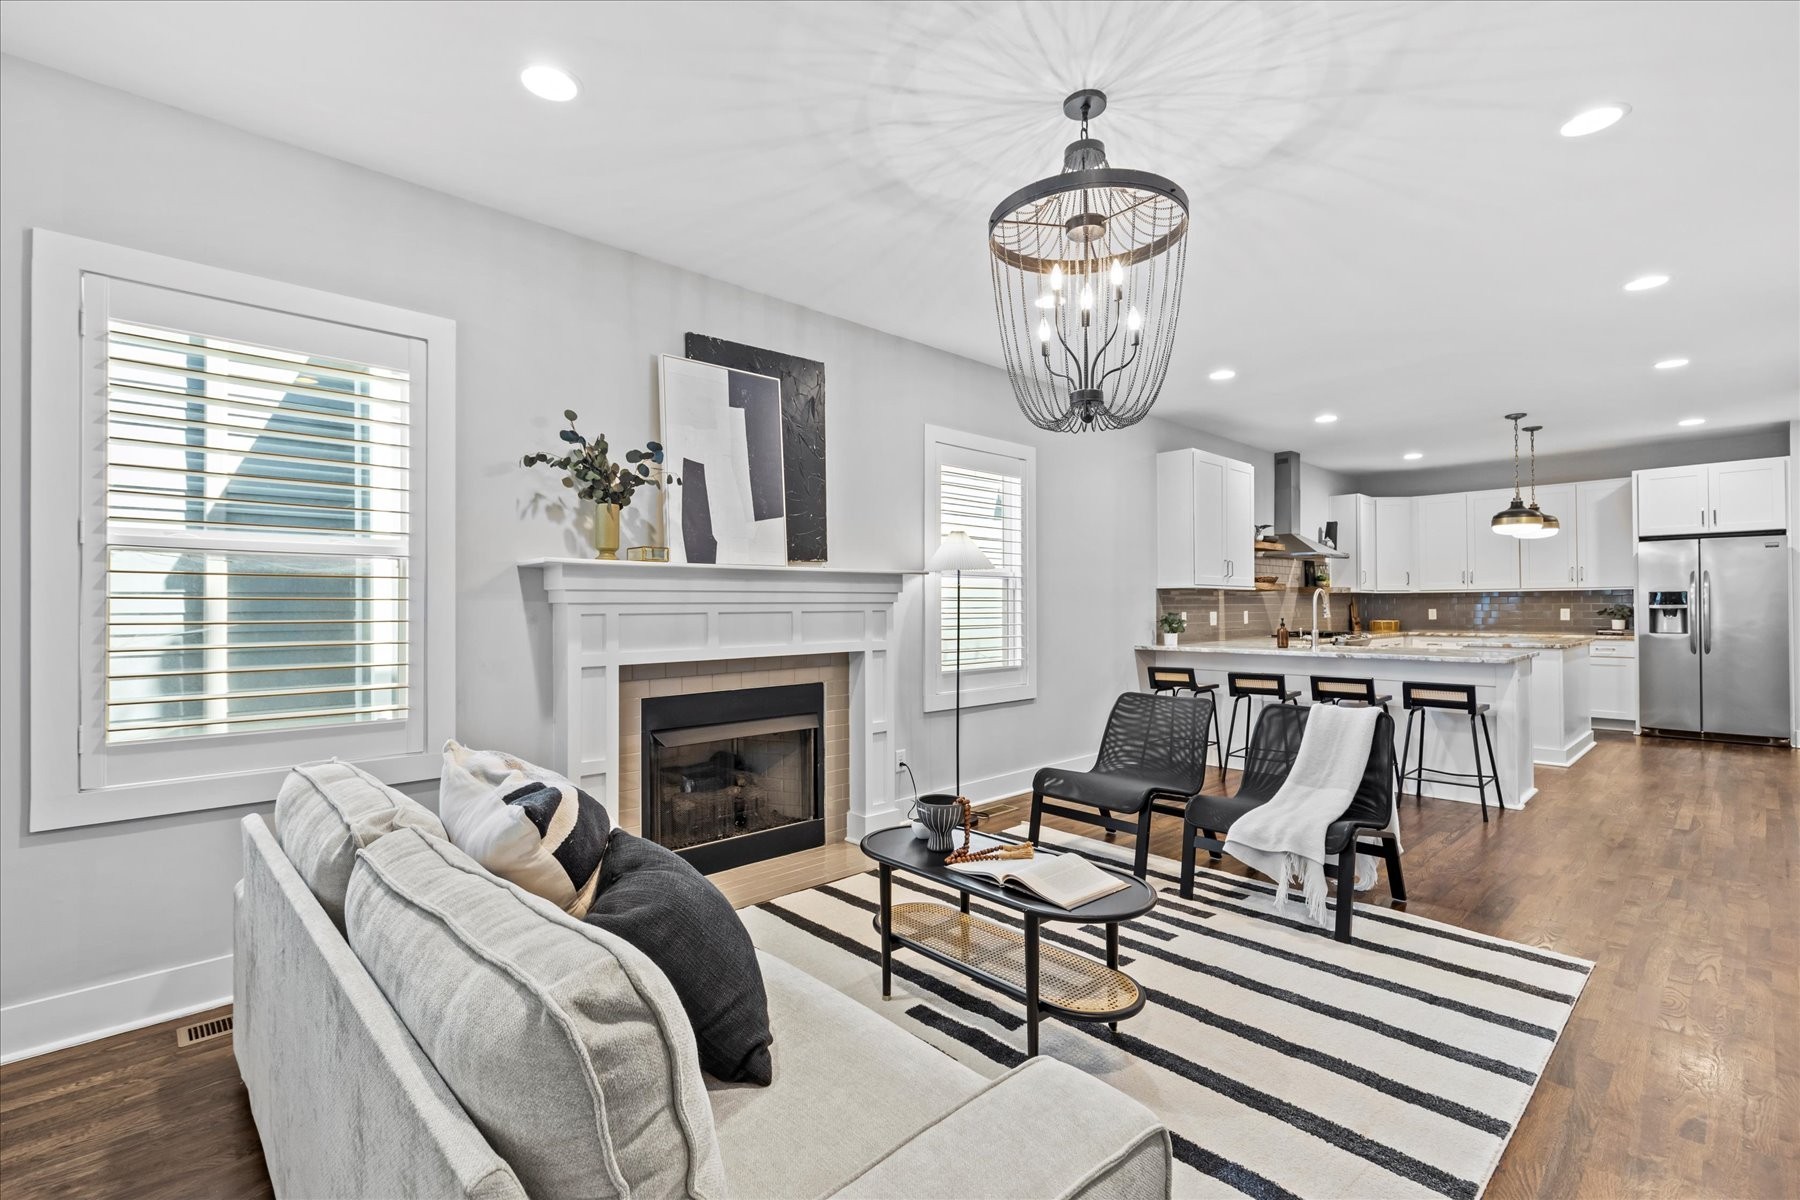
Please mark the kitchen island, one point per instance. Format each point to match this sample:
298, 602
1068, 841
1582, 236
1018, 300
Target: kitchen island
1501, 674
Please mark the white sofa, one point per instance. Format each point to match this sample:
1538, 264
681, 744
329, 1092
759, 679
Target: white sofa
347, 1100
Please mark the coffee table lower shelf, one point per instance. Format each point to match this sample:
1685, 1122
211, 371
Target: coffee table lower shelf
1065, 984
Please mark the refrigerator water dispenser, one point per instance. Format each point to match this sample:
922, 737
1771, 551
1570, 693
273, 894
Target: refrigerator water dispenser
1668, 612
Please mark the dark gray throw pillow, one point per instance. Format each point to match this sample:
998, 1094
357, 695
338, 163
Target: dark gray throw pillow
652, 898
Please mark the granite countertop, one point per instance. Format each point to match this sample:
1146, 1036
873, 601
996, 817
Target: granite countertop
1266, 645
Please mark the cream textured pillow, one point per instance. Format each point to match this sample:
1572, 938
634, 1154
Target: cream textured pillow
327, 811
525, 824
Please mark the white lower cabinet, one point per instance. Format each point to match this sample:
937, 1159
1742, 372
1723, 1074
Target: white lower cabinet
1613, 681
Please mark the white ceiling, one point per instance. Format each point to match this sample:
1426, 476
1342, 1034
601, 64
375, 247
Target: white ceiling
1386, 223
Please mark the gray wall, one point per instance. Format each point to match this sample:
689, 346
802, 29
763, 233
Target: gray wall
1614, 462
545, 320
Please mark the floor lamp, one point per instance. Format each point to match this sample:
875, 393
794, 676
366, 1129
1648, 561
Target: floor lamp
957, 553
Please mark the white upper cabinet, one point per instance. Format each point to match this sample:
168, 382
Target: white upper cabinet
1455, 548
1606, 555
1394, 545
1441, 542
1548, 564
1355, 517
1493, 557
1671, 500
1747, 497
1730, 497
1205, 523
1239, 534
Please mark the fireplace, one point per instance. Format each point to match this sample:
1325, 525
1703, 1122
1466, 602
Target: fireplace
732, 777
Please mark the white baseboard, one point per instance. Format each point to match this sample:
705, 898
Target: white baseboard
1004, 786
1564, 756
34, 1027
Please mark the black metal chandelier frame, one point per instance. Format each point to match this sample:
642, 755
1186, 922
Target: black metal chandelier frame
1089, 264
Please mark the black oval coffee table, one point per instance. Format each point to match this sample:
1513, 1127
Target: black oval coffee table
1046, 979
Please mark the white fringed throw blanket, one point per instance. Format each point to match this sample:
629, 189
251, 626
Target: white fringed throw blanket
1285, 838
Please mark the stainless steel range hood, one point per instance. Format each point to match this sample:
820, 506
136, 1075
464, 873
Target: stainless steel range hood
1287, 514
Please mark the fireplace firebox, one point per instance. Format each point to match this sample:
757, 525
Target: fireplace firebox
733, 777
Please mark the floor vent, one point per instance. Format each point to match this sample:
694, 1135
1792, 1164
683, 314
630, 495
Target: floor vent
204, 1031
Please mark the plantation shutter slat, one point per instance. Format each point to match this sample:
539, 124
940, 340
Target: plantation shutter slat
989, 507
258, 553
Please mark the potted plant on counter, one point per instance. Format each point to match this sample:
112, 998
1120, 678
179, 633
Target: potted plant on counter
595, 477
1620, 613
1173, 625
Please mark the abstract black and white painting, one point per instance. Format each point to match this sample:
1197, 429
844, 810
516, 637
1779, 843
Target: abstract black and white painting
802, 433
721, 436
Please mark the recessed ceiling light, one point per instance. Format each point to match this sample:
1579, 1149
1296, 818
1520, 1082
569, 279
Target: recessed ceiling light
1644, 283
1412, 456
1222, 374
1324, 418
549, 83
1690, 422
1593, 120
1671, 364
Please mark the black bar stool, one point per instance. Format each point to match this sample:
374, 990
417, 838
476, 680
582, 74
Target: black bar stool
1332, 689
1418, 698
1174, 681
1337, 689
1249, 687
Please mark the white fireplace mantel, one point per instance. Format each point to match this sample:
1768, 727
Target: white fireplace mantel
608, 615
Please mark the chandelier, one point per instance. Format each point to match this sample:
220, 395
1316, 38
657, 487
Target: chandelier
1087, 269
1519, 520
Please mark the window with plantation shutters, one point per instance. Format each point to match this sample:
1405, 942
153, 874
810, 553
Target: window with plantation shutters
985, 488
257, 537
242, 535
988, 505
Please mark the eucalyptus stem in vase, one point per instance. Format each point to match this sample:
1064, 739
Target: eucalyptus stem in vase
591, 472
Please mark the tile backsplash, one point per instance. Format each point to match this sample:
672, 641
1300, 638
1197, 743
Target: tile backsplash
1252, 614
1539, 612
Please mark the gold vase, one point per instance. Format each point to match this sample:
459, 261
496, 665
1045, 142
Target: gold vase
606, 531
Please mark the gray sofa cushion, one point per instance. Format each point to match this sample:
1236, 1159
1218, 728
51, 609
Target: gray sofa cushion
564, 1043
650, 896
849, 1088
327, 811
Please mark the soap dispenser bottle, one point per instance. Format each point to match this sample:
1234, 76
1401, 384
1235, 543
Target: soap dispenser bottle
1281, 635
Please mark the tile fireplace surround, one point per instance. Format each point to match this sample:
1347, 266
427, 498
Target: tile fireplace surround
616, 626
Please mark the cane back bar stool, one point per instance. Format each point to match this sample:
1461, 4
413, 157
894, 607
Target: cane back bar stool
1176, 681
1421, 698
1249, 687
1335, 689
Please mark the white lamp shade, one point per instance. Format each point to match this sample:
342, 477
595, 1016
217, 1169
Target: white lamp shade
958, 553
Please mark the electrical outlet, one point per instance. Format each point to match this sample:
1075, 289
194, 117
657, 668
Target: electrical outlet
1246, 616
1212, 618
1565, 614
1431, 614
899, 761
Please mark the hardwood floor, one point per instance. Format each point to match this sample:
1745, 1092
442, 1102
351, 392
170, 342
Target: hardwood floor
1674, 865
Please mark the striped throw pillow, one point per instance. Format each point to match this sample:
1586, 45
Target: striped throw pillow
527, 825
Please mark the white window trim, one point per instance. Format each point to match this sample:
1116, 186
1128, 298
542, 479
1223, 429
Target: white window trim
988, 686
56, 516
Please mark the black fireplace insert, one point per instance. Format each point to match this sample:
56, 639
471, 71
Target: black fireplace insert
732, 777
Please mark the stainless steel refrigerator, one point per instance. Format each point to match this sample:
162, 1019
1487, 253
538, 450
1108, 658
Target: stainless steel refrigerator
1713, 630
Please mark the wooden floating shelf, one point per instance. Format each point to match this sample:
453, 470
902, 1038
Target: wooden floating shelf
1268, 546
1271, 587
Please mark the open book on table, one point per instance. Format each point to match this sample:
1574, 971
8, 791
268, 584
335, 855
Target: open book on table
1065, 880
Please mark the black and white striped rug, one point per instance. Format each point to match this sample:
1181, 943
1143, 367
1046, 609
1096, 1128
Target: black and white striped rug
1284, 1063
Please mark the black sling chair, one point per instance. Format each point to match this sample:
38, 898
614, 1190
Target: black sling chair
1269, 758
